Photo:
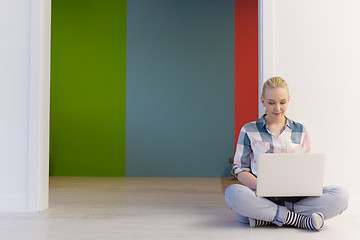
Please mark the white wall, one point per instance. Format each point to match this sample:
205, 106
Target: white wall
24, 91
316, 48
14, 94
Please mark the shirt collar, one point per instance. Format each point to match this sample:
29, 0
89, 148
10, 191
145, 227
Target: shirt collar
262, 122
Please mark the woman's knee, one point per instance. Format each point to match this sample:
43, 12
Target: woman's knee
340, 197
233, 194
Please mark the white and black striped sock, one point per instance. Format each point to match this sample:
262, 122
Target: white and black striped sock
259, 223
314, 222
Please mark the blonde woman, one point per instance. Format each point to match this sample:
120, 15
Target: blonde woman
274, 133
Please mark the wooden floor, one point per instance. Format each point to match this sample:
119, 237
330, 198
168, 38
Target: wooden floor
149, 208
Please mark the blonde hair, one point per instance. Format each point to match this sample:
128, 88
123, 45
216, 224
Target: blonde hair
274, 82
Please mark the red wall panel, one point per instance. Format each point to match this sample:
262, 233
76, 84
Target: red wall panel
246, 63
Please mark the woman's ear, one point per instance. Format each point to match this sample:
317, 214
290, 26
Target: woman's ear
262, 101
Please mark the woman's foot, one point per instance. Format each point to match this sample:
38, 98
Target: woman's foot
315, 222
258, 223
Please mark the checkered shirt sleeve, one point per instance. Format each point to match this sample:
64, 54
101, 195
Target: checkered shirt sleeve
242, 158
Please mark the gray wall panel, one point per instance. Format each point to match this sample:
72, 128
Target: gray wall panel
180, 96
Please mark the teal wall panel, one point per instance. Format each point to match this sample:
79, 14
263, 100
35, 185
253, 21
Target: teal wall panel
88, 88
180, 87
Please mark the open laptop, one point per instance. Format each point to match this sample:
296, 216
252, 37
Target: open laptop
290, 174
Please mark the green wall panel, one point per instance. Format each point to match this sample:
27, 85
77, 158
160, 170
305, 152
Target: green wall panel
88, 88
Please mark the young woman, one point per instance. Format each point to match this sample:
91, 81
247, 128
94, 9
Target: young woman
275, 133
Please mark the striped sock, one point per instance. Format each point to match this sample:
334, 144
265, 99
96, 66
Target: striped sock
314, 222
259, 223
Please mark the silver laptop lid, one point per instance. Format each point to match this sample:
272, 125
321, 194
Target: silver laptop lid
290, 174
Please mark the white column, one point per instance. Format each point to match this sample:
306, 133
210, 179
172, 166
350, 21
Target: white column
39, 105
24, 104
266, 42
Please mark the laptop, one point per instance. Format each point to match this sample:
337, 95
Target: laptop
290, 174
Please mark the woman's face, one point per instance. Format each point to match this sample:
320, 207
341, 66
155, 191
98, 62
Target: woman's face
275, 101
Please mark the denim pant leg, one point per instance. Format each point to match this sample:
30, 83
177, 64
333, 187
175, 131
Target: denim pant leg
332, 202
244, 204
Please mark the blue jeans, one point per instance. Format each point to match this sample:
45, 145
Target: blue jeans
245, 204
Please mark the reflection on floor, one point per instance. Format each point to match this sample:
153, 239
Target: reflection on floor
150, 208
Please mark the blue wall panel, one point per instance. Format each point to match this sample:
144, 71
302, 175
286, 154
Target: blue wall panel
180, 87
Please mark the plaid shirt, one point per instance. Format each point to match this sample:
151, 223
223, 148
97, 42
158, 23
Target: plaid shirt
256, 138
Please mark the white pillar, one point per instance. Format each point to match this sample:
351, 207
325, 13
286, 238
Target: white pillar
24, 104
39, 104
266, 43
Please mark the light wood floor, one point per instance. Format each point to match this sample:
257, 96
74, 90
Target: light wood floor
150, 208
